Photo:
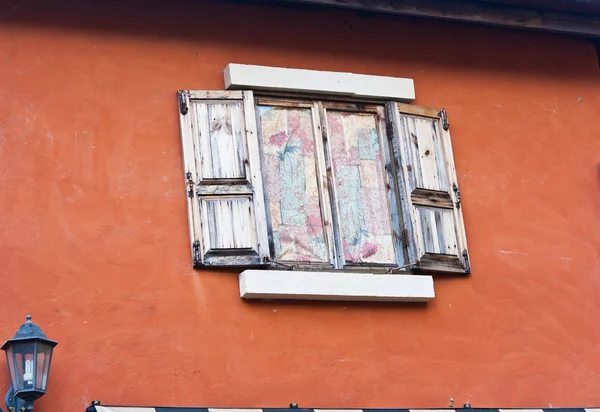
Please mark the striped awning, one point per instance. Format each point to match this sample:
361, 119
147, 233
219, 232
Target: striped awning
172, 409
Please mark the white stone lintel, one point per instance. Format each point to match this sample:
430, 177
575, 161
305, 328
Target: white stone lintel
280, 79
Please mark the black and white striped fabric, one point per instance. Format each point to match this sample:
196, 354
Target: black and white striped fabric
166, 409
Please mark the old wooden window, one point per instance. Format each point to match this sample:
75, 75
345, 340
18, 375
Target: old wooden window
315, 184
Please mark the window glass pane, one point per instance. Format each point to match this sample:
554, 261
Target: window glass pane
364, 213
290, 166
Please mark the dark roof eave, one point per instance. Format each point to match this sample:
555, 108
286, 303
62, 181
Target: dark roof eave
571, 6
518, 14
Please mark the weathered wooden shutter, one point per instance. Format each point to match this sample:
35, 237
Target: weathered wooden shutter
429, 192
223, 175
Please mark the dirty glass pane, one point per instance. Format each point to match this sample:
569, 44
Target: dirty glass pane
364, 213
44, 353
290, 165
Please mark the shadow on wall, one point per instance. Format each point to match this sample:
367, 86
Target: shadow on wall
320, 31
596, 44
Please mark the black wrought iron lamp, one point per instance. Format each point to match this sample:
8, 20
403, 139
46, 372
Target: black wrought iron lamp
28, 355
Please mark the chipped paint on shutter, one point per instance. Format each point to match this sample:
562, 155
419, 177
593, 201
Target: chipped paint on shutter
223, 174
426, 177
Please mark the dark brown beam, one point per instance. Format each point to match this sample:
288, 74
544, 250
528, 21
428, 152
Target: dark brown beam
575, 6
582, 24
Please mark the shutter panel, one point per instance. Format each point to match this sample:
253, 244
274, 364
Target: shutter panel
226, 205
429, 194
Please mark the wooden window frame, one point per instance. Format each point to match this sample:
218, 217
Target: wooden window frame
318, 105
388, 114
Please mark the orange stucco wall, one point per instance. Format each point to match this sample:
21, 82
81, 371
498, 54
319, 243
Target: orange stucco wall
94, 238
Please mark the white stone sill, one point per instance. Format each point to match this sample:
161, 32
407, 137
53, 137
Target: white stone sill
364, 287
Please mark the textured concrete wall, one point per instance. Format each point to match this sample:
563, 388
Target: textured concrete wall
94, 239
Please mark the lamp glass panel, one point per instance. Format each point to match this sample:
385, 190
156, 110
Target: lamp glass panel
12, 369
24, 364
44, 355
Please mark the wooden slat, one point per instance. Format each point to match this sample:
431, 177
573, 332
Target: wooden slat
438, 153
447, 232
429, 230
215, 94
255, 174
408, 152
432, 198
441, 263
295, 98
423, 153
203, 151
323, 184
242, 258
355, 267
438, 231
404, 181
229, 224
227, 144
234, 137
220, 131
418, 110
190, 167
392, 187
331, 189
283, 102
475, 12
217, 190
260, 138
461, 236
352, 107
424, 143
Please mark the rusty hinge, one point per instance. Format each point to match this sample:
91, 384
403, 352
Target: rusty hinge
457, 192
196, 254
466, 263
183, 106
444, 117
190, 184
404, 238
389, 129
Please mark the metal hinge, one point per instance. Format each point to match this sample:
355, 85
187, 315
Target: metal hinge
404, 238
466, 263
444, 117
92, 407
273, 262
183, 106
390, 129
399, 268
196, 254
457, 192
190, 182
